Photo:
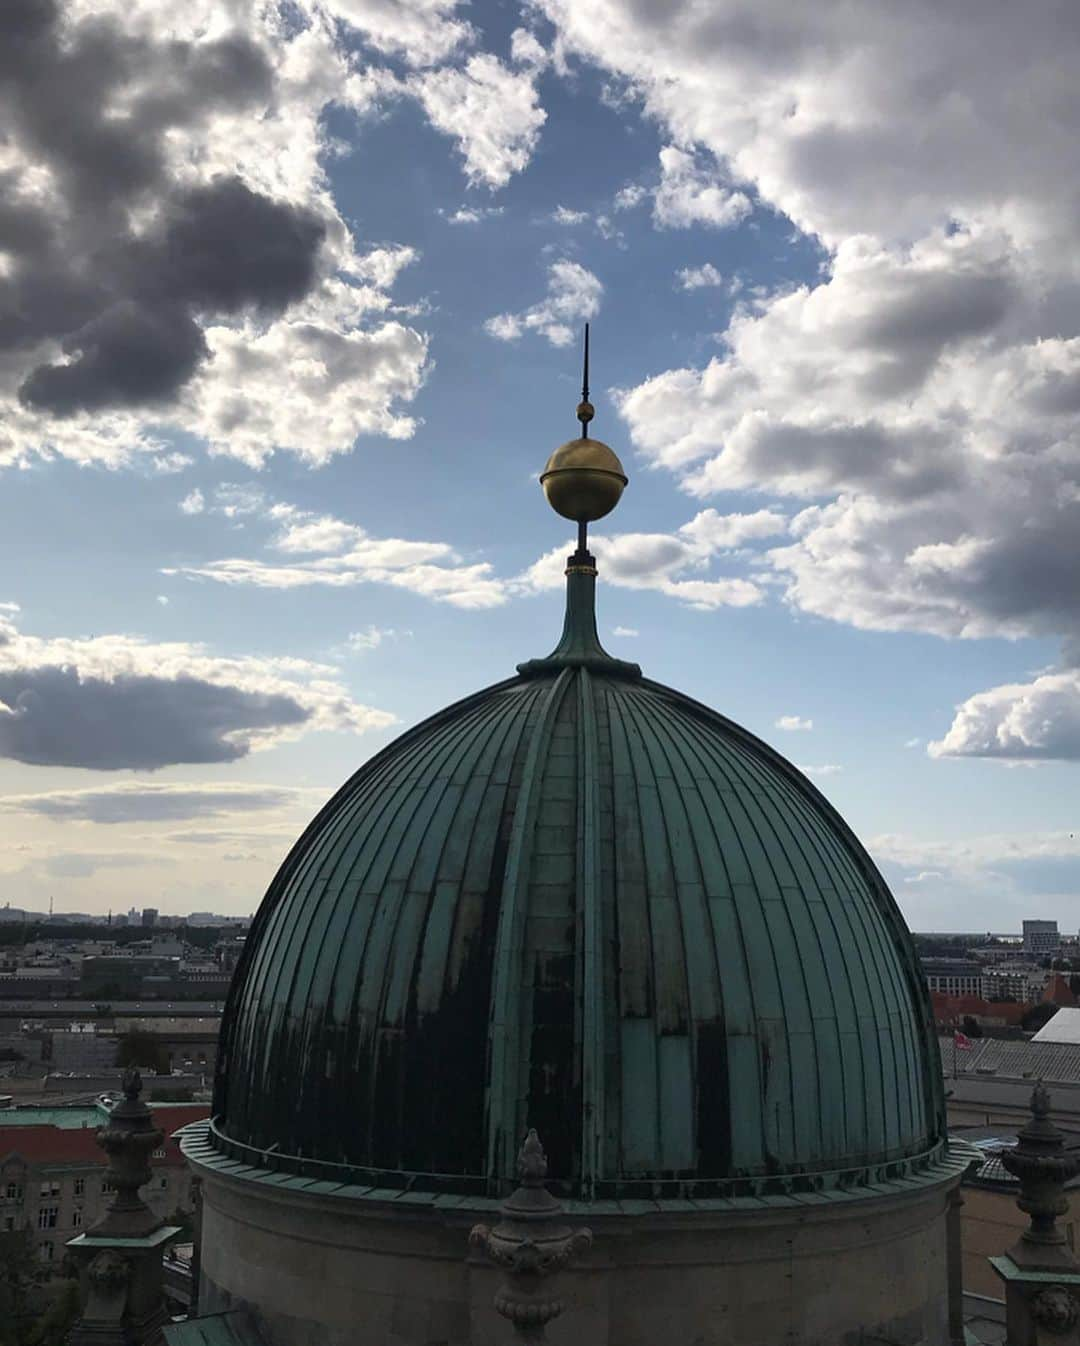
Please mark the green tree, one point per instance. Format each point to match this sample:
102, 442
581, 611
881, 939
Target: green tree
21, 1276
1038, 1016
53, 1327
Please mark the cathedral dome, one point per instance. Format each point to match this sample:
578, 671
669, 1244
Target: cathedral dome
582, 902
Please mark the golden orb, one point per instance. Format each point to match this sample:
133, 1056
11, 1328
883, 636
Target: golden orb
583, 480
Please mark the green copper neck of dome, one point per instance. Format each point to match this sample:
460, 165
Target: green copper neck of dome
580, 644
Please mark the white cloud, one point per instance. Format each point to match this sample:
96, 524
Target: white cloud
698, 277
922, 397
423, 32
627, 632
471, 214
326, 551
564, 215
490, 110
976, 853
358, 642
527, 49
305, 386
163, 600
573, 294
691, 193
793, 723
381, 266
630, 196
826, 769
338, 554
193, 503
913, 743
1034, 721
671, 563
115, 701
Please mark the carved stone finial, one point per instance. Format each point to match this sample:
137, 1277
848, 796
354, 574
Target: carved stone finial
1043, 1166
532, 1161
531, 1244
128, 1138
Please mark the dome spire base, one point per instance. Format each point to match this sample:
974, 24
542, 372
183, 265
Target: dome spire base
580, 645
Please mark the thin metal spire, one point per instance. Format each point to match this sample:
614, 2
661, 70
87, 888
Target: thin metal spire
585, 414
585, 410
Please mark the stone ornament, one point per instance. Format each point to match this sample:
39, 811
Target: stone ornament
1043, 1167
531, 1244
129, 1138
1056, 1309
109, 1271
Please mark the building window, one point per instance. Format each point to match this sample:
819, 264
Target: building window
46, 1217
76, 1219
50, 1189
159, 1153
163, 1183
80, 1186
13, 1191
45, 1252
107, 1188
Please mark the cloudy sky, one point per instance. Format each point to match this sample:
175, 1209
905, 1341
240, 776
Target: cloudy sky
290, 298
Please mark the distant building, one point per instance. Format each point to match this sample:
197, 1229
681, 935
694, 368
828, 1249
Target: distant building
52, 1173
1041, 938
128, 975
1019, 982
952, 976
149, 916
951, 1011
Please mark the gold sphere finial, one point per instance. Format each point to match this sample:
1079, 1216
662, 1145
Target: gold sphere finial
583, 480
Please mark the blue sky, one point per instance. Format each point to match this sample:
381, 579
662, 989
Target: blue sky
290, 316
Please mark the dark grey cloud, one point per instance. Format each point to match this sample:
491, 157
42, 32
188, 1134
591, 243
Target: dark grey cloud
133, 354
118, 261
55, 717
135, 802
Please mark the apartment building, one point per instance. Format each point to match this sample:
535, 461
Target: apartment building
1018, 982
952, 976
52, 1172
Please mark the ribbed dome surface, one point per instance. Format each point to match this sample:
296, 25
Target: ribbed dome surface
582, 902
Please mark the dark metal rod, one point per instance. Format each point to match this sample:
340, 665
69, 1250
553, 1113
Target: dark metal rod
582, 536
585, 376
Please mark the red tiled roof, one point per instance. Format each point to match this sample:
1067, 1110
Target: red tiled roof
78, 1145
950, 1007
1057, 991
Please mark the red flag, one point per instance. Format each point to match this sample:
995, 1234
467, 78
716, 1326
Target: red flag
962, 1042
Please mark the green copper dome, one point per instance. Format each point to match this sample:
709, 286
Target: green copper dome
581, 902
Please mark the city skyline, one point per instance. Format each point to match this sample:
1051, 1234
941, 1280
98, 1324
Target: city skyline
300, 299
